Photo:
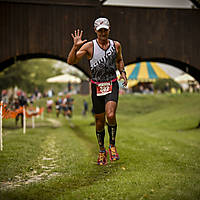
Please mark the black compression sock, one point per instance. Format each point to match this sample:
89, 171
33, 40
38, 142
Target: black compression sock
100, 138
112, 133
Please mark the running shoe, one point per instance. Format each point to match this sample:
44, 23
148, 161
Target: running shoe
102, 158
113, 153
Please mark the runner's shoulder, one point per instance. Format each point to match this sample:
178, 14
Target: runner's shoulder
87, 45
117, 44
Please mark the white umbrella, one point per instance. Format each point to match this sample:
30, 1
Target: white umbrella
184, 78
65, 78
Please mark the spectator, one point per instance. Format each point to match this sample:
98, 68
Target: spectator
20, 102
85, 107
58, 106
49, 105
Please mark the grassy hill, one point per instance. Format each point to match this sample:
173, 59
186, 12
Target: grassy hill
157, 139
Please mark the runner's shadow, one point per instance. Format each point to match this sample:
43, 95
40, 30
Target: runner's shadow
81, 134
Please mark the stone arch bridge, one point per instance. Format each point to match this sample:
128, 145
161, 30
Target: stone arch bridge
42, 28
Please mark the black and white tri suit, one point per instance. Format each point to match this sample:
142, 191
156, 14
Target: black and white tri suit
103, 69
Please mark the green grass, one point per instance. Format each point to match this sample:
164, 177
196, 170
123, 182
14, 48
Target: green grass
158, 143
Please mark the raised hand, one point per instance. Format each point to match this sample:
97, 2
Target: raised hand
77, 37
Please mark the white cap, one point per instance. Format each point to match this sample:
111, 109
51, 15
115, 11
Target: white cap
101, 23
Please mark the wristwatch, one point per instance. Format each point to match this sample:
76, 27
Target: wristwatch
123, 71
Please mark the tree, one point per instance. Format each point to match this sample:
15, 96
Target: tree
28, 75
166, 85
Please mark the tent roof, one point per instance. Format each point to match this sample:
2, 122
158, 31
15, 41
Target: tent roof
65, 78
184, 78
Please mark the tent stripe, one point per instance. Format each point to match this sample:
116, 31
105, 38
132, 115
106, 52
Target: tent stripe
143, 73
151, 72
135, 72
129, 69
159, 71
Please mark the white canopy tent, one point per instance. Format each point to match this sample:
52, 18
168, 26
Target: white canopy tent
65, 78
184, 78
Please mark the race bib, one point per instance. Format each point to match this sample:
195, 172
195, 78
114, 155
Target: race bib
104, 88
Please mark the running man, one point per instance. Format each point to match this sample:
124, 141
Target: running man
105, 57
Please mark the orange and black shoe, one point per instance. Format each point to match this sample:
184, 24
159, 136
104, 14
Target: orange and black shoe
113, 153
102, 158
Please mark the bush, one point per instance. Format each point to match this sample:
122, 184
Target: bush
165, 85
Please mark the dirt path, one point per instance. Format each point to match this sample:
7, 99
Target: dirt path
55, 122
47, 163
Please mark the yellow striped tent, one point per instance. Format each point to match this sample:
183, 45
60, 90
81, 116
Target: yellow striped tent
144, 72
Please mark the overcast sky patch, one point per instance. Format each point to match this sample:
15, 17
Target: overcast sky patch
152, 3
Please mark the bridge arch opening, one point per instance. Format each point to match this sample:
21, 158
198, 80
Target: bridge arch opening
42, 61
145, 72
7, 63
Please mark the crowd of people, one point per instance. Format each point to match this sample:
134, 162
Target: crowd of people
14, 101
62, 105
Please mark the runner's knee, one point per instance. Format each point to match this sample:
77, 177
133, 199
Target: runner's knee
111, 117
100, 122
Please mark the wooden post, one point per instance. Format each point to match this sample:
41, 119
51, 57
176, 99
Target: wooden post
42, 115
33, 121
24, 120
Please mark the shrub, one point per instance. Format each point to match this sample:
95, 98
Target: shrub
165, 85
